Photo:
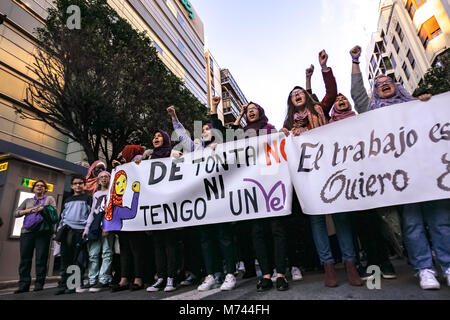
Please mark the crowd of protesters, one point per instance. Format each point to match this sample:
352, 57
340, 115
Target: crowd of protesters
211, 256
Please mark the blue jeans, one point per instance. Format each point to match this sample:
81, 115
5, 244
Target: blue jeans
436, 215
103, 271
343, 232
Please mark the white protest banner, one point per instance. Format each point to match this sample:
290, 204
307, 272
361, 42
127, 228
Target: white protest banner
393, 155
241, 180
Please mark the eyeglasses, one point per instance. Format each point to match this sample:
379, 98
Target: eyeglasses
298, 91
77, 183
39, 186
380, 84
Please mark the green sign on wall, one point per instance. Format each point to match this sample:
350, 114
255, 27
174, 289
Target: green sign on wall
188, 7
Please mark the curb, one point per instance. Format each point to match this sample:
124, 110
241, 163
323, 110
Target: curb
15, 283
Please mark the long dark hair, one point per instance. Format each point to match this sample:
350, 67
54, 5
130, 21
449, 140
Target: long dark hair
310, 103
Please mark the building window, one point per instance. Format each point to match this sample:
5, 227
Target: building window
395, 44
211, 64
429, 30
387, 63
399, 31
181, 46
373, 61
411, 59
406, 70
158, 47
413, 5
383, 36
180, 19
393, 62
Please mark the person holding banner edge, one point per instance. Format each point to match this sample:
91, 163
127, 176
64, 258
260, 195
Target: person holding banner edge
211, 236
434, 214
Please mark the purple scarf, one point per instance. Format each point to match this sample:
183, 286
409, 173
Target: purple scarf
400, 96
37, 201
261, 124
165, 150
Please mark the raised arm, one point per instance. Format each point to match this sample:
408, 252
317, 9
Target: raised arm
358, 92
309, 74
238, 120
330, 84
181, 132
216, 123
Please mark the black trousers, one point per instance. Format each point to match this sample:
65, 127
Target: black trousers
269, 241
217, 245
68, 251
191, 251
246, 252
367, 226
132, 254
166, 253
30, 242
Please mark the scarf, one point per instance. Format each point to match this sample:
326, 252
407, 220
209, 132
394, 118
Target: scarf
165, 150
261, 124
115, 200
400, 96
91, 180
337, 115
306, 119
130, 151
39, 201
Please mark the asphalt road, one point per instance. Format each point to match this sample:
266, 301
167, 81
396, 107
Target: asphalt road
405, 287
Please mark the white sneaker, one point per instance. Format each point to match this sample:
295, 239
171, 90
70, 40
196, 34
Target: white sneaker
447, 276
274, 276
229, 283
170, 285
207, 283
428, 280
241, 266
158, 285
296, 274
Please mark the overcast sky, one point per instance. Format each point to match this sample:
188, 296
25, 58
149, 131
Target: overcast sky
267, 45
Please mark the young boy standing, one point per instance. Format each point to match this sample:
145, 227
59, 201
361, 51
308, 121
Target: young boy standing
73, 220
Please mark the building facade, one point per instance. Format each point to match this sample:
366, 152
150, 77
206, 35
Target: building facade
232, 98
411, 36
213, 82
31, 150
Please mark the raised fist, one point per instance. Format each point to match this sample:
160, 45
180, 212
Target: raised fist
216, 100
171, 111
310, 71
323, 58
355, 52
